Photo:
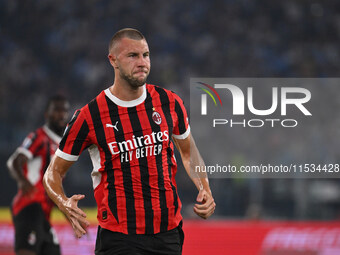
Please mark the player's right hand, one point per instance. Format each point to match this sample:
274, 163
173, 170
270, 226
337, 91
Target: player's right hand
75, 215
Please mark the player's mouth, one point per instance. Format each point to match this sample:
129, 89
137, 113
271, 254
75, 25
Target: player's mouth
61, 124
142, 71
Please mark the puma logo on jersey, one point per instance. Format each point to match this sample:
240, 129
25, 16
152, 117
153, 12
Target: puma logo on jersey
113, 126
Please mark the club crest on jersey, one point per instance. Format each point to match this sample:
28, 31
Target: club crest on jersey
156, 117
27, 143
32, 238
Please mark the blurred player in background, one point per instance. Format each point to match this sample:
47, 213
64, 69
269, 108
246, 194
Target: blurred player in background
128, 130
31, 206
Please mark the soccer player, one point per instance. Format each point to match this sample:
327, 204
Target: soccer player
31, 206
128, 129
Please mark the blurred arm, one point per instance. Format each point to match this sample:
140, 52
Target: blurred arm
69, 206
192, 158
15, 165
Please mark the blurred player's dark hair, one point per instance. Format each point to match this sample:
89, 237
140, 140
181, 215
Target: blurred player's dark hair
55, 98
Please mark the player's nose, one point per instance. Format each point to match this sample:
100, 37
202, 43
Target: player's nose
142, 61
62, 115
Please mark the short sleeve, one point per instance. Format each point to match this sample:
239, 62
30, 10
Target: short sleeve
75, 138
181, 127
30, 145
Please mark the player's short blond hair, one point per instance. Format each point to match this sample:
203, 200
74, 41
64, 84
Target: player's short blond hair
130, 33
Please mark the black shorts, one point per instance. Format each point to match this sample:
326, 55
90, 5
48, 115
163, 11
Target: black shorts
33, 232
112, 243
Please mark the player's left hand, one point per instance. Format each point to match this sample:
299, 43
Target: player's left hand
207, 204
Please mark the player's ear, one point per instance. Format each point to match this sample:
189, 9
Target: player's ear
112, 59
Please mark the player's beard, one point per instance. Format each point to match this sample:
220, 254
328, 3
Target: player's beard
57, 128
134, 82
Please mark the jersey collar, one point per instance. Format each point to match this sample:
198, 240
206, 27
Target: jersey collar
122, 103
56, 138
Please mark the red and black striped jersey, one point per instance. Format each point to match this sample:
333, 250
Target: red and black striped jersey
39, 146
134, 166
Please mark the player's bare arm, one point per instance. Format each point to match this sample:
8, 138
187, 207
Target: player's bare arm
69, 206
191, 158
15, 165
